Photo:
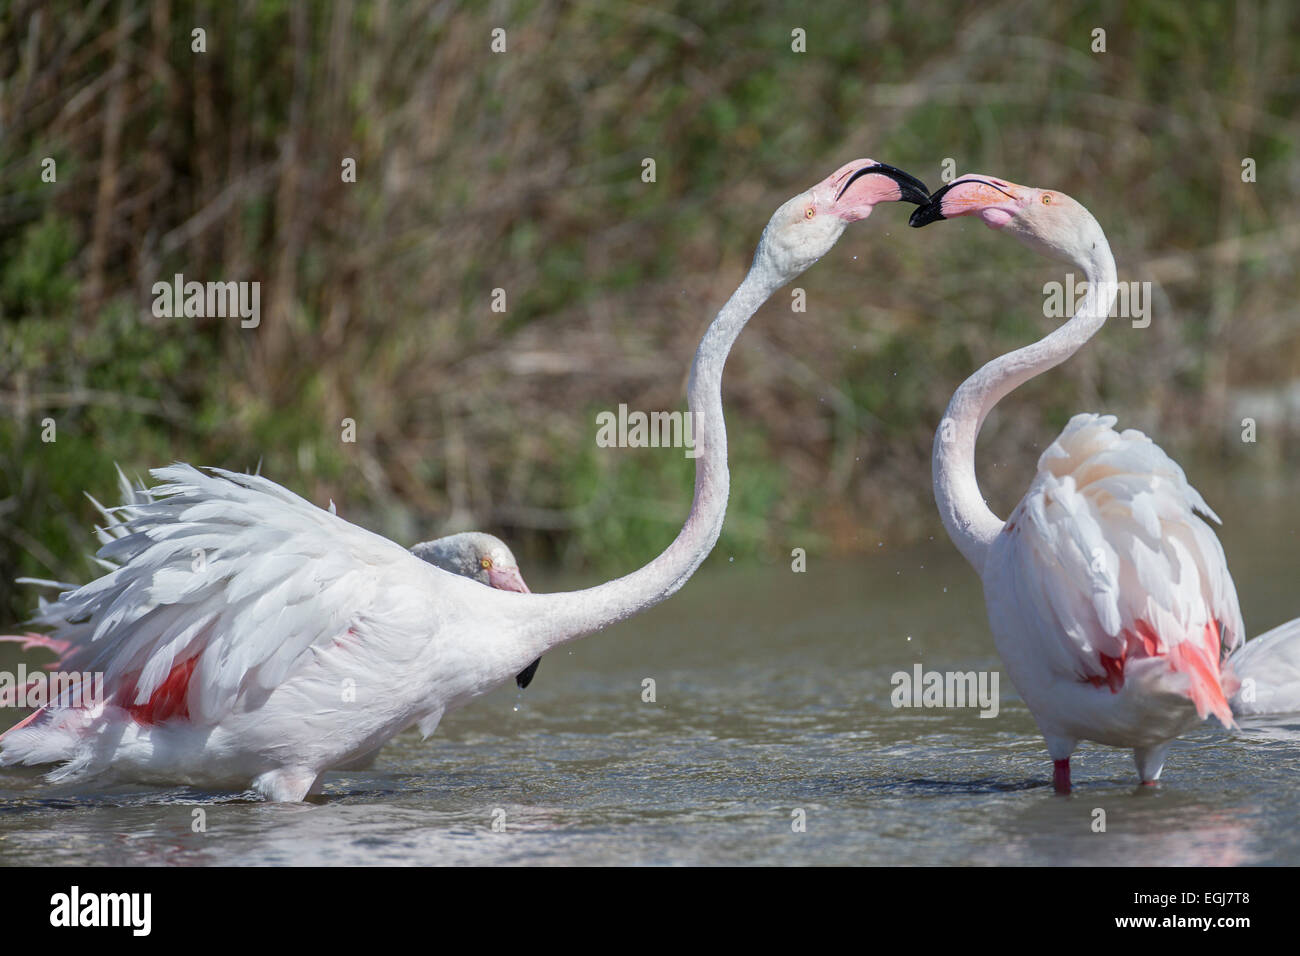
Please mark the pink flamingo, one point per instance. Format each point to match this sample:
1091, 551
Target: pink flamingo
475, 555
249, 638
1108, 595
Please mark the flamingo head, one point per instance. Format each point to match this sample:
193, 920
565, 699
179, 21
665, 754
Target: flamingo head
472, 554
806, 227
483, 558
1046, 220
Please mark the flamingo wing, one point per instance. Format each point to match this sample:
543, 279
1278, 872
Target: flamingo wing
1109, 561
1268, 668
220, 582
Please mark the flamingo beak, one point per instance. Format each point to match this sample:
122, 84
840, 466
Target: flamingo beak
872, 183
507, 579
993, 200
525, 676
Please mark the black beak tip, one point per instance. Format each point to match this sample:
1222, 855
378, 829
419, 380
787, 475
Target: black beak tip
932, 210
910, 188
912, 194
925, 214
525, 676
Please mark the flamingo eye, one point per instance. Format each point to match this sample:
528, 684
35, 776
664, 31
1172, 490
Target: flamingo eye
1047, 199
809, 212
487, 564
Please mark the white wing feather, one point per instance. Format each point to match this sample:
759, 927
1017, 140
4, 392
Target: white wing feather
230, 568
1108, 536
1269, 669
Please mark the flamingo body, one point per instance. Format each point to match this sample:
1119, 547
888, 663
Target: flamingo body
1109, 596
298, 641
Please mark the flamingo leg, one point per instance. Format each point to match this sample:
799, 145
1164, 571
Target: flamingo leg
1150, 761
1061, 775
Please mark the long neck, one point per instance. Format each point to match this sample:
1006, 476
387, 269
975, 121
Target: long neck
970, 523
553, 619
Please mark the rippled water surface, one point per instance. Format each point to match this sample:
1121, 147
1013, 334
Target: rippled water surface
772, 697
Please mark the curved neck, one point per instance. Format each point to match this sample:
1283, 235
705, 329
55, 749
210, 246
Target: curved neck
970, 523
552, 619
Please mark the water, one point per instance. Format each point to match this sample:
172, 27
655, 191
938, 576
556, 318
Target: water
772, 697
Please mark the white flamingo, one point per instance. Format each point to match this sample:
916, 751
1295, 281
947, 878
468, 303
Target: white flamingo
476, 555
1268, 668
1108, 595
249, 638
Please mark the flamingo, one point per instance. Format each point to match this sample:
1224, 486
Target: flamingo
1108, 594
249, 639
477, 555
1268, 668
484, 558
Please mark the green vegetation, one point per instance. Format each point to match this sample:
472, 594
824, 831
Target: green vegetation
522, 171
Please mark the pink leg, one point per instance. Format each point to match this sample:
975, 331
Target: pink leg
1061, 775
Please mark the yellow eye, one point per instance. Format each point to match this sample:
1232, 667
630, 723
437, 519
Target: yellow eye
1047, 199
809, 212
487, 564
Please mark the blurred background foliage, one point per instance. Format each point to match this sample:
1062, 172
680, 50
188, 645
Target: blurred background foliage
522, 171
